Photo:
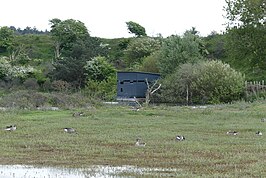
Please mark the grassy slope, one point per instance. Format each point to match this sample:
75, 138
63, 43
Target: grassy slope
107, 135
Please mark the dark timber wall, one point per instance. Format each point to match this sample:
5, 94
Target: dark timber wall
133, 84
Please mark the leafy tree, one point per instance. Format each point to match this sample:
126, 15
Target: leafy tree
116, 51
246, 51
7, 37
104, 90
150, 63
70, 70
139, 48
215, 44
66, 32
101, 78
246, 36
245, 12
88, 47
136, 29
99, 69
178, 50
70, 66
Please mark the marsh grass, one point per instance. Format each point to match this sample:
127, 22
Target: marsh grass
106, 136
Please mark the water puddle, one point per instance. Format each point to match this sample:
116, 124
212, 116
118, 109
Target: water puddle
21, 171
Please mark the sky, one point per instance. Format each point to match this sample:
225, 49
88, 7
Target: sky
107, 18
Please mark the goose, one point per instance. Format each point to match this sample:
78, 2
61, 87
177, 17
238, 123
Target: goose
232, 133
263, 120
259, 133
11, 128
135, 108
138, 143
70, 130
77, 114
180, 138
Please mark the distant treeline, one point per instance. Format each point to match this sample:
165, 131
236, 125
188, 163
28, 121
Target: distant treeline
28, 30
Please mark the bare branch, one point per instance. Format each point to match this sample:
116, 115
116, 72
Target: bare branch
156, 89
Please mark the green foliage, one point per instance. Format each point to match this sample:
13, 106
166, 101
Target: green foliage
70, 66
66, 32
71, 70
176, 51
7, 37
36, 46
245, 40
116, 51
205, 82
139, 48
215, 44
101, 79
136, 29
150, 63
4, 67
246, 12
98, 69
104, 90
246, 50
218, 83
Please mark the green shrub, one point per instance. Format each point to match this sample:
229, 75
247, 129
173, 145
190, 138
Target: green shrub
103, 90
208, 82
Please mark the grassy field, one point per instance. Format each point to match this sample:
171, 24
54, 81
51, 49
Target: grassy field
106, 136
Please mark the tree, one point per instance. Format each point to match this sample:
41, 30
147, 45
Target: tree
70, 66
215, 44
246, 12
7, 37
150, 63
65, 33
136, 29
99, 69
70, 70
139, 48
101, 78
246, 36
178, 50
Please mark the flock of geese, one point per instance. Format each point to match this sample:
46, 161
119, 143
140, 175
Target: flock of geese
142, 144
67, 129
182, 138
138, 143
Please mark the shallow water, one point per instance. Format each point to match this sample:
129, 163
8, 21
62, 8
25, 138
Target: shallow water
21, 171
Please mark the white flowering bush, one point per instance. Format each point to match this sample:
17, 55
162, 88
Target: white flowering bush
8, 70
4, 67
